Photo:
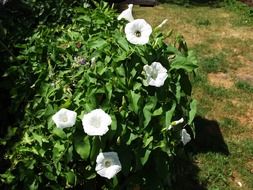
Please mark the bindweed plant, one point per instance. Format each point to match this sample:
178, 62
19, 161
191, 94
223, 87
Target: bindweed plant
110, 104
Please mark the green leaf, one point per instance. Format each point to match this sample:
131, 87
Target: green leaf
97, 43
192, 113
147, 110
144, 158
188, 63
70, 177
108, 88
123, 43
58, 151
7, 177
147, 141
186, 84
38, 138
60, 133
50, 176
95, 148
82, 146
114, 122
133, 101
169, 114
158, 111
131, 138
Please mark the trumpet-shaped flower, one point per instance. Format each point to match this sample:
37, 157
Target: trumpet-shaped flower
127, 14
138, 32
185, 137
96, 122
64, 118
108, 164
156, 74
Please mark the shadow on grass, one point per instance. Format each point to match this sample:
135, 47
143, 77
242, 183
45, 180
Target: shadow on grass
208, 138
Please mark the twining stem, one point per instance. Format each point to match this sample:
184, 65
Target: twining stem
7, 49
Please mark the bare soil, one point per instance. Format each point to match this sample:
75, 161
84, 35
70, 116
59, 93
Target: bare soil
220, 80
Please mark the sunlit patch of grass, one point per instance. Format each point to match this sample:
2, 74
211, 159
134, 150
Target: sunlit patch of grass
228, 123
214, 170
214, 64
223, 172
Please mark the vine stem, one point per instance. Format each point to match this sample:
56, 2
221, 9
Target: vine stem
7, 49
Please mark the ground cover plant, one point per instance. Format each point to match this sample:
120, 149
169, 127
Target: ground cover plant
222, 86
109, 104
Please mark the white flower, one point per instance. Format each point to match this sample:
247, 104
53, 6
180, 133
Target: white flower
93, 61
64, 118
127, 14
163, 23
3, 1
173, 123
138, 31
156, 74
108, 164
185, 137
96, 122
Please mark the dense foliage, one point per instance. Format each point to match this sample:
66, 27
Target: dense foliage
89, 64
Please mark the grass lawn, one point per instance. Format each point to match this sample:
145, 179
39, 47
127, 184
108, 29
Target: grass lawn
223, 86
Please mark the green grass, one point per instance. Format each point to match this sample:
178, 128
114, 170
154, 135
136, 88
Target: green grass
244, 86
223, 44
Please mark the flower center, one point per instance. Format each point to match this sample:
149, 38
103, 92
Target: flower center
96, 122
63, 118
107, 163
138, 33
154, 74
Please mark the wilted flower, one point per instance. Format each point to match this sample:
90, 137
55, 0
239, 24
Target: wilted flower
64, 118
162, 23
108, 164
156, 74
127, 14
96, 122
138, 31
173, 123
80, 60
185, 137
93, 61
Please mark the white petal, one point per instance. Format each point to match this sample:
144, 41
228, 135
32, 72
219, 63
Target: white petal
104, 170
147, 69
127, 14
100, 157
156, 74
96, 122
138, 26
185, 137
161, 79
157, 66
109, 172
64, 118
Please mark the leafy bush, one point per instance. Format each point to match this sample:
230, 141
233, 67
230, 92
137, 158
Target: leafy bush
18, 18
89, 65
